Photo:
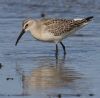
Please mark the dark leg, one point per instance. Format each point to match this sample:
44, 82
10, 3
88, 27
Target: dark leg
56, 50
63, 47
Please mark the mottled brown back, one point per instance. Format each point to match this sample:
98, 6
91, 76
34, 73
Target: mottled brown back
61, 26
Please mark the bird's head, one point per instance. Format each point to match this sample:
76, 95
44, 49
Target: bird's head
26, 26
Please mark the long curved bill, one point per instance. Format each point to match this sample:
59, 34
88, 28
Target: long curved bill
19, 37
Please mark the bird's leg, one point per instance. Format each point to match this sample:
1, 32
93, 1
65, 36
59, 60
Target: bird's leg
63, 47
56, 50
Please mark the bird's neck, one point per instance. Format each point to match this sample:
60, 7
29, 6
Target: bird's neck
36, 32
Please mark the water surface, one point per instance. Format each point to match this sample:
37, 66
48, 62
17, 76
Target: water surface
31, 69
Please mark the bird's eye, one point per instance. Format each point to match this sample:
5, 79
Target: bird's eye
26, 26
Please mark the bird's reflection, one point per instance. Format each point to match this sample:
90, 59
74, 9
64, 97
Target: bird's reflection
51, 73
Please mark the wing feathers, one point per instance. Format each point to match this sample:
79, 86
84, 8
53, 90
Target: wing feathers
61, 26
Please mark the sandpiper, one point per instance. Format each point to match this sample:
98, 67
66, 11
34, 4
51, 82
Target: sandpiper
53, 30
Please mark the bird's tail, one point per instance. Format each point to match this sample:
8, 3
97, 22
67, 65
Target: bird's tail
89, 18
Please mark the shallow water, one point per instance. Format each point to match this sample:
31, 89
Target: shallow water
31, 69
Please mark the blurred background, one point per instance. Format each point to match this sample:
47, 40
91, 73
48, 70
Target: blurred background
30, 69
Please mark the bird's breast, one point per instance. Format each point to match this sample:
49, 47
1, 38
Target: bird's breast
43, 36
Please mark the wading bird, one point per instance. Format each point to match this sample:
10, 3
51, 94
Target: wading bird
53, 30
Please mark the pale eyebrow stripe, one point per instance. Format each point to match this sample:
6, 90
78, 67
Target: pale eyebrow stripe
25, 21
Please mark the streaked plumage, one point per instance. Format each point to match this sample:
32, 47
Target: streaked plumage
62, 26
53, 30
